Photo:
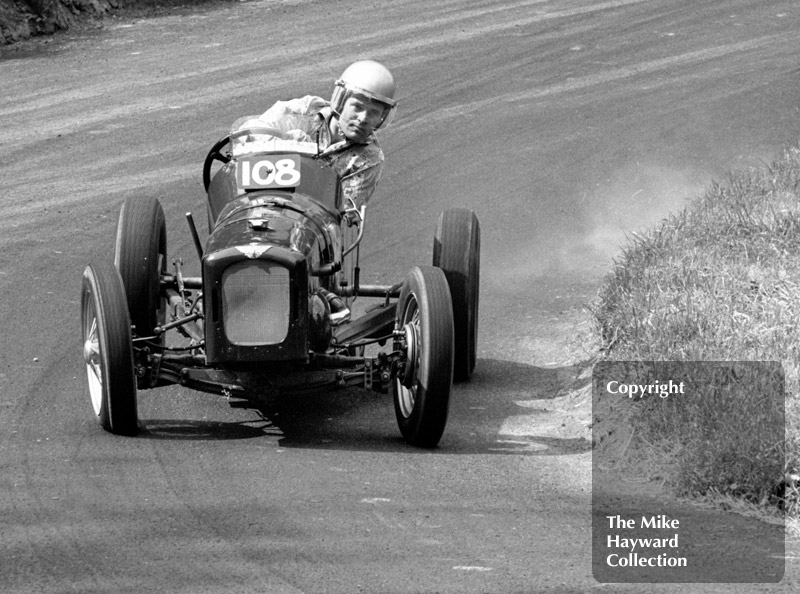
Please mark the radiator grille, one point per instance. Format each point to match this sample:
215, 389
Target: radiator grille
255, 303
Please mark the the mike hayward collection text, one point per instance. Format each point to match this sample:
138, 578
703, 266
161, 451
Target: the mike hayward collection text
638, 551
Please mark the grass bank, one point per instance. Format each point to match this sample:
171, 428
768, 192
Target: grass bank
718, 281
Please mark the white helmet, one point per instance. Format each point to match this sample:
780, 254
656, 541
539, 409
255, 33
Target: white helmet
369, 79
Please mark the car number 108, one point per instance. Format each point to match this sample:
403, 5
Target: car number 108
279, 171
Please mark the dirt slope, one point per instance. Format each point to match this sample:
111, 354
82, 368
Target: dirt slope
22, 19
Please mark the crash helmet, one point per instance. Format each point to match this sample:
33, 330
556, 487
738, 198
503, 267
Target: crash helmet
369, 79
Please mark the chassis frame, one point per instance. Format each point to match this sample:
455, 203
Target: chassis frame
156, 365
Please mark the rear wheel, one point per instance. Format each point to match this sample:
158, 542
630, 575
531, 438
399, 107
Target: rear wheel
108, 350
456, 250
141, 257
422, 382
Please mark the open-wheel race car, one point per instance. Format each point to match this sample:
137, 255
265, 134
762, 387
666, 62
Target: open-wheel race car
271, 313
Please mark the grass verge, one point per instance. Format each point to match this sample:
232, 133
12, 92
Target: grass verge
718, 281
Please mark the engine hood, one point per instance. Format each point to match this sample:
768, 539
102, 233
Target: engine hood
295, 224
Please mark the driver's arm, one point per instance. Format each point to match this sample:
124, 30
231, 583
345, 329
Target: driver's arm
360, 168
297, 117
357, 188
360, 186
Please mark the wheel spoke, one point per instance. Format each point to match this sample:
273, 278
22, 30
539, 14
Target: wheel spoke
408, 394
94, 373
94, 369
91, 348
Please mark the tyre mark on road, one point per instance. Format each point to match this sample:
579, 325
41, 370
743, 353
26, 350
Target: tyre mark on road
150, 94
605, 77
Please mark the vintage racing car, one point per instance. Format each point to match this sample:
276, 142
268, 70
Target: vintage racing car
272, 312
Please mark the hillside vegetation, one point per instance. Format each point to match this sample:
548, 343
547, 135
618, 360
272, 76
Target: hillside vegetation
718, 281
22, 19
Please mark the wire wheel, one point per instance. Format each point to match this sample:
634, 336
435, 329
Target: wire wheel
108, 350
407, 390
421, 386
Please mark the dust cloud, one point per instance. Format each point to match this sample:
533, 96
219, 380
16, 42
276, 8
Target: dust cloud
580, 239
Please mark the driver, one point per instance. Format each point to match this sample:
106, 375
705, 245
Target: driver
362, 103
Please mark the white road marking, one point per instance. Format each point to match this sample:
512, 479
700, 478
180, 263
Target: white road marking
375, 500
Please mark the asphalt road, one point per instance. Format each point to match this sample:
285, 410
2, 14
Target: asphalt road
564, 124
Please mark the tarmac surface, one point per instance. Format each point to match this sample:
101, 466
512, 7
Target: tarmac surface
565, 125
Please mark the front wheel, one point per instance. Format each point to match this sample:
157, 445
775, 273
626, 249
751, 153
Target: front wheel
422, 382
108, 350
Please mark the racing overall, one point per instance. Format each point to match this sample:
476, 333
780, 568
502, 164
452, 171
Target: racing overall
307, 119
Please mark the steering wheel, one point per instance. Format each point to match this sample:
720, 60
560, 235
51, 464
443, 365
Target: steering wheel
215, 154
258, 129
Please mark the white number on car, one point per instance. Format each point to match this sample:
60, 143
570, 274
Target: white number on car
279, 171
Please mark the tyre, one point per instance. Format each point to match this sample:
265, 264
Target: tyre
108, 350
421, 385
140, 255
456, 250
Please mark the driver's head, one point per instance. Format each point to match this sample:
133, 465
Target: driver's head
363, 99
